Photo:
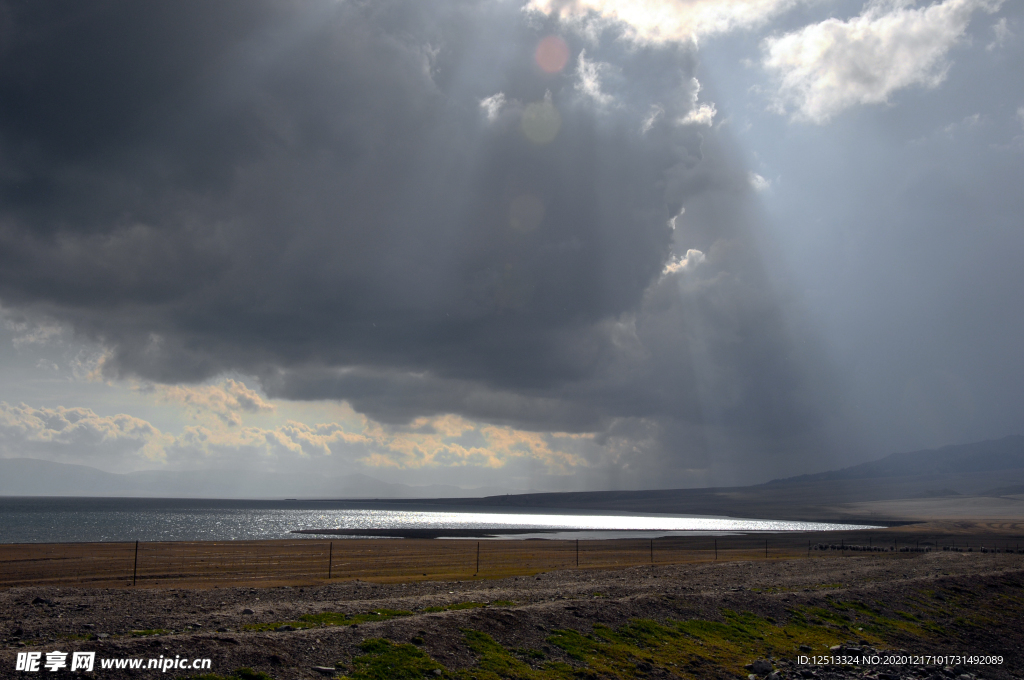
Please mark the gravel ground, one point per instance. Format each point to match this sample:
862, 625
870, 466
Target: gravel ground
210, 623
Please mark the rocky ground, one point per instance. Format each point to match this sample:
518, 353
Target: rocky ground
726, 619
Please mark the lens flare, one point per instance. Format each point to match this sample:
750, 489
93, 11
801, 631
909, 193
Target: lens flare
541, 122
552, 54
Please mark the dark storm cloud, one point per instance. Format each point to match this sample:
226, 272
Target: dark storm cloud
312, 193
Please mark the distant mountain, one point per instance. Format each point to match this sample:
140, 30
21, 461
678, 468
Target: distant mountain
992, 468
964, 459
31, 477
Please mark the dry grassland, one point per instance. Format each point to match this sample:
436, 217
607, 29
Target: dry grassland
308, 561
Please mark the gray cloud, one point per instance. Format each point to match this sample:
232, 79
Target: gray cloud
314, 195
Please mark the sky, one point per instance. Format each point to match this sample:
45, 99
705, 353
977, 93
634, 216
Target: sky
529, 244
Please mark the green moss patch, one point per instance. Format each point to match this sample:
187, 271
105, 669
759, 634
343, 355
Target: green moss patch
495, 661
697, 649
384, 660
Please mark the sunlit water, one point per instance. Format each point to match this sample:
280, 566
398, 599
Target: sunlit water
43, 520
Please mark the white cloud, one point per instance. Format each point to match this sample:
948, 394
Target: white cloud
674, 222
492, 105
447, 441
700, 114
76, 433
119, 442
968, 123
655, 113
122, 442
687, 262
827, 67
657, 21
454, 442
291, 440
758, 183
588, 75
226, 401
1001, 35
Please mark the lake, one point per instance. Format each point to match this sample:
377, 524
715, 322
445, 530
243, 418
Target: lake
58, 520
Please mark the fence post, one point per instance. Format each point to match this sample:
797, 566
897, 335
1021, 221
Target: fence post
478, 557
330, 559
577, 553
135, 568
766, 548
716, 550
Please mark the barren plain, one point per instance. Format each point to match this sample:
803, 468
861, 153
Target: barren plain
827, 614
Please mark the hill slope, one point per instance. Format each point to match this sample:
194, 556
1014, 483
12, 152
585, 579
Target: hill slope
995, 455
993, 467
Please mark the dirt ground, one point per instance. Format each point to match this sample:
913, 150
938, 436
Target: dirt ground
523, 612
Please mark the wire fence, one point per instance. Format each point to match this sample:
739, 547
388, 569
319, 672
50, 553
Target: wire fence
307, 561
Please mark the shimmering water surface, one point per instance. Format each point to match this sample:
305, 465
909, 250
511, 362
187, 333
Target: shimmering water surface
45, 520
